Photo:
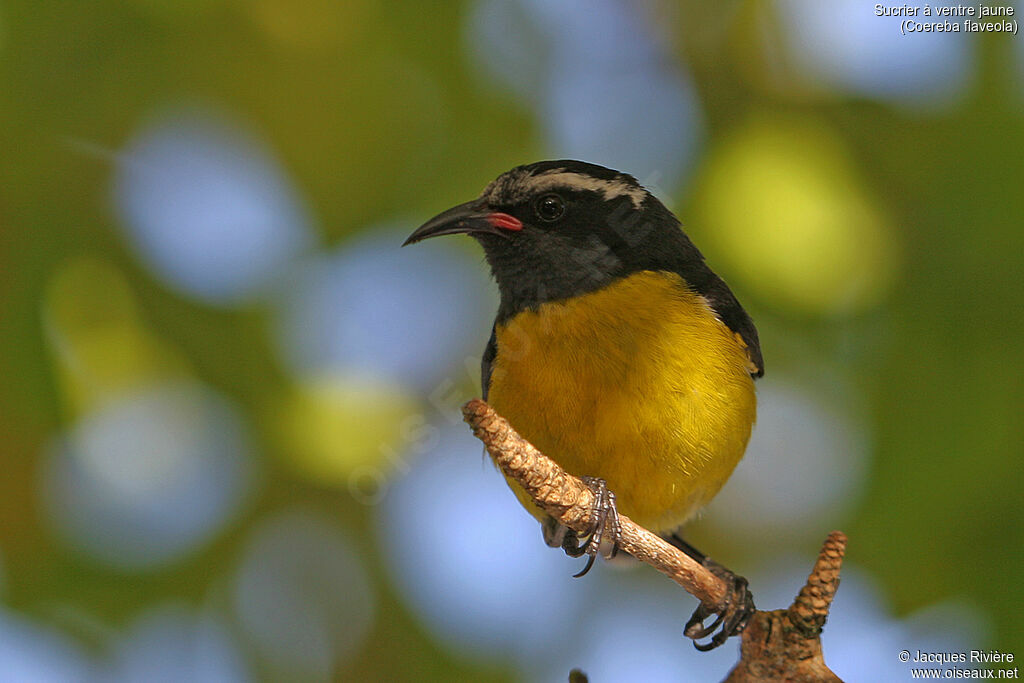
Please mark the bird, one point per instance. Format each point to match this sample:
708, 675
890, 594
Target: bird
616, 351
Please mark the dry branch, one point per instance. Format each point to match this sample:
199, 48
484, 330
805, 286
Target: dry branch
781, 645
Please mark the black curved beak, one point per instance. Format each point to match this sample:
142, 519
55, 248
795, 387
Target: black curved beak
471, 217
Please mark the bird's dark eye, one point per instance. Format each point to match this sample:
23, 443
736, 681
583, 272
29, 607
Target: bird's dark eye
550, 207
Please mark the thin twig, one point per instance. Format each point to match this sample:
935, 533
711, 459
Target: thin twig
780, 645
570, 501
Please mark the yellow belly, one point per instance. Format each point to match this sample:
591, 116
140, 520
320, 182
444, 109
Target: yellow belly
639, 384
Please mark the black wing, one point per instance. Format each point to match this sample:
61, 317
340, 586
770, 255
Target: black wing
673, 251
723, 302
688, 263
487, 363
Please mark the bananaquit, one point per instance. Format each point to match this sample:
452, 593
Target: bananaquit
616, 351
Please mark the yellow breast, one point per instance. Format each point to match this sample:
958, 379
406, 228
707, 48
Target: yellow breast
637, 383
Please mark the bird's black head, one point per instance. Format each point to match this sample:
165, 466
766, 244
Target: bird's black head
556, 229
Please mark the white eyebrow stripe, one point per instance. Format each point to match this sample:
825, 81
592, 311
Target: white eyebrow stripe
611, 189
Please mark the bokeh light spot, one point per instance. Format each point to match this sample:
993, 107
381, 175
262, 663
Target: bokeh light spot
332, 428
372, 308
171, 644
29, 652
845, 45
150, 477
101, 345
781, 203
795, 432
207, 208
302, 597
598, 57
462, 551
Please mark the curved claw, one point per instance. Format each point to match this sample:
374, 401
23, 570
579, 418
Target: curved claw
605, 522
586, 568
695, 627
732, 618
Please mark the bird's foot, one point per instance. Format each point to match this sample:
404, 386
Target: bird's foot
731, 618
604, 522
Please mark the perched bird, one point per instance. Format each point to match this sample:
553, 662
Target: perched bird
616, 350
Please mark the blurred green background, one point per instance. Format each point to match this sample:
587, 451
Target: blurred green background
229, 439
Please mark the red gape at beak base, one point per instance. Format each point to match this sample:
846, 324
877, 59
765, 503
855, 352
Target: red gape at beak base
504, 221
